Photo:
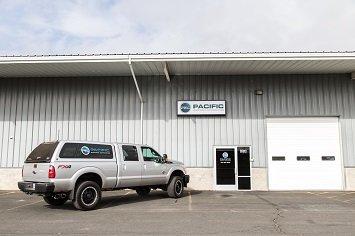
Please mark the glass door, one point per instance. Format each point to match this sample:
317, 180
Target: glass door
232, 169
225, 168
244, 176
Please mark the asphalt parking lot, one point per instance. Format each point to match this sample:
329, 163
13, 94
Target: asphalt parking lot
197, 213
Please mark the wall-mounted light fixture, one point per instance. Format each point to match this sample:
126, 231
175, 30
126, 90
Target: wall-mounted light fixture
258, 92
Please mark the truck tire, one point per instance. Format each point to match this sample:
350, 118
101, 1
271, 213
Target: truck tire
55, 201
144, 191
176, 187
87, 196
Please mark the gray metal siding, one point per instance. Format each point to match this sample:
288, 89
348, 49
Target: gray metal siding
34, 110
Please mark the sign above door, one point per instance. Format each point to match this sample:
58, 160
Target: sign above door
203, 107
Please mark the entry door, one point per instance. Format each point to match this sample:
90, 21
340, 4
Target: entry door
304, 154
232, 168
244, 175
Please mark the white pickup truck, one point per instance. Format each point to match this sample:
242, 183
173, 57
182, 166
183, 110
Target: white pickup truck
79, 171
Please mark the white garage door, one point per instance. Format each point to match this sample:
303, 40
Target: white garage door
304, 154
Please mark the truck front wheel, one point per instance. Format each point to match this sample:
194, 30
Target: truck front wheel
176, 187
87, 195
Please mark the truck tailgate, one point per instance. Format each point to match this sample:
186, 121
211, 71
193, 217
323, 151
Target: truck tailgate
36, 172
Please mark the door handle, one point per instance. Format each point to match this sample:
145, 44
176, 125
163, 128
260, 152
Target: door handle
145, 166
124, 167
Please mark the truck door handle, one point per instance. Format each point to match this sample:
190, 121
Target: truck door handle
124, 167
145, 166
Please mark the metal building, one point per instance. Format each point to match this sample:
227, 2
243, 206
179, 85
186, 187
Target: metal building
239, 121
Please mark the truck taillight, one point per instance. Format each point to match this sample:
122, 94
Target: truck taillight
51, 172
22, 172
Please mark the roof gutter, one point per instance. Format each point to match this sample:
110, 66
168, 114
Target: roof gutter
178, 57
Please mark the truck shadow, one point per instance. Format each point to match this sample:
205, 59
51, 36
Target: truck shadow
130, 197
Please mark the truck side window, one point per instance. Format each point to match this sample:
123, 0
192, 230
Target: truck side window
129, 153
86, 150
42, 153
68, 150
149, 154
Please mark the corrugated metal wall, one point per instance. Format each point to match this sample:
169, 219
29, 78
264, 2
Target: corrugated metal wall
37, 110
108, 109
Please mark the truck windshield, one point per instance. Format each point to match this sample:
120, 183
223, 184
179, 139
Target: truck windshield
42, 153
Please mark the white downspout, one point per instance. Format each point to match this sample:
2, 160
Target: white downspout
139, 94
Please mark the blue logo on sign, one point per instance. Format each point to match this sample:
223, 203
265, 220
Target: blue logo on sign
225, 154
85, 150
185, 107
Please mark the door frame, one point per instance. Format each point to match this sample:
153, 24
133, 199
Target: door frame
230, 187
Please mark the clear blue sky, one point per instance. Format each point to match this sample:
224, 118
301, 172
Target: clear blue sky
108, 26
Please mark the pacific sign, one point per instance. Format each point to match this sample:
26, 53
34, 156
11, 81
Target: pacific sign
201, 108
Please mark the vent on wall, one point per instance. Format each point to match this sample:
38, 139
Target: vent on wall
303, 158
278, 158
328, 158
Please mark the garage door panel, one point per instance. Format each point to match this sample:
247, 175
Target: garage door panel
304, 178
308, 138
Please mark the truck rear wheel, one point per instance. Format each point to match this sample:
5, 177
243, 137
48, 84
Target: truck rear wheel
144, 191
176, 187
87, 195
51, 200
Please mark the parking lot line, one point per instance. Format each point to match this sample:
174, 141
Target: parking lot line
190, 201
348, 193
1, 194
28, 204
332, 197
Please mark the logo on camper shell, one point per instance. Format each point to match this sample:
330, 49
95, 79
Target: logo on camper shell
85, 150
185, 107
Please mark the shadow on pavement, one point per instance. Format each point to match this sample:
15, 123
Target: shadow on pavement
132, 197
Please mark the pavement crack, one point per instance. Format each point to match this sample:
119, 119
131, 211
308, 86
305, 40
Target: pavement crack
276, 220
277, 215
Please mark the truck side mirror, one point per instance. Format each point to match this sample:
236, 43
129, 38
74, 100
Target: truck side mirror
165, 158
